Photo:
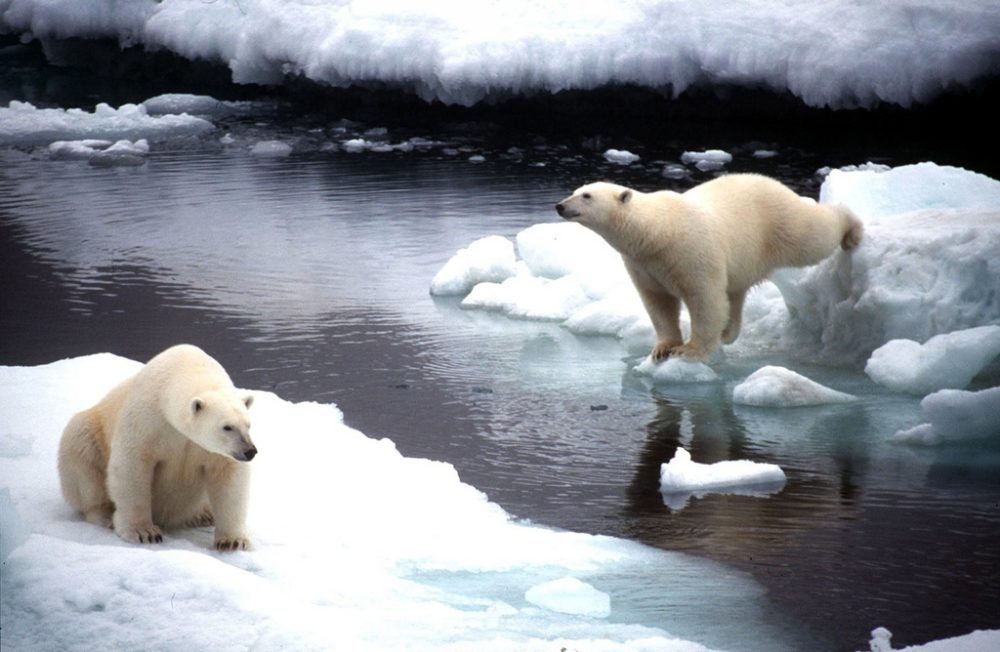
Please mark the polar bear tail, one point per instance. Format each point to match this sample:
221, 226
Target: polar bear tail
854, 230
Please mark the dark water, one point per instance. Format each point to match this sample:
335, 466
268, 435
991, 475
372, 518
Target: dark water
309, 275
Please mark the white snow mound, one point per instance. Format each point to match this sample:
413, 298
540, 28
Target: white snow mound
773, 386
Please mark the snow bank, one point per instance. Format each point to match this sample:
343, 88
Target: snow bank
955, 415
948, 361
828, 53
356, 547
681, 478
23, 124
779, 387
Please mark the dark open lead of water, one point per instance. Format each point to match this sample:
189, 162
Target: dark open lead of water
309, 276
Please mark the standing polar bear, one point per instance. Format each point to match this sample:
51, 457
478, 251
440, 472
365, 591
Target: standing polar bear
165, 448
707, 247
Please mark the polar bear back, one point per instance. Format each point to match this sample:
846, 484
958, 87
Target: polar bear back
761, 224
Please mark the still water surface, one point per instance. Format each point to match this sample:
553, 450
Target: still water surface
309, 275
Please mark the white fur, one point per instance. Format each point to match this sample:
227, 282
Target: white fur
165, 448
708, 246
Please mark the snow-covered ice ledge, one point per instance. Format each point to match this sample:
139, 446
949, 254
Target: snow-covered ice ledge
835, 53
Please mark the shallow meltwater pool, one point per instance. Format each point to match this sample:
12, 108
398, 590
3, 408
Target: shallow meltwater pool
308, 276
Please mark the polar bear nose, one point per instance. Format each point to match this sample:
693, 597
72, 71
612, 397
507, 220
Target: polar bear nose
560, 208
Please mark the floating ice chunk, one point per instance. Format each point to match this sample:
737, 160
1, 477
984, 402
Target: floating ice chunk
773, 386
530, 297
764, 153
201, 105
620, 157
271, 149
477, 158
681, 478
569, 595
122, 153
947, 361
673, 171
101, 152
22, 123
712, 159
676, 370
489, 259
954, 415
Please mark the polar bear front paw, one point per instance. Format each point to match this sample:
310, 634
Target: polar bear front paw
145, 533
230, 544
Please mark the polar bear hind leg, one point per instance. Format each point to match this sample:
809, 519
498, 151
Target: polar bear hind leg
81, 469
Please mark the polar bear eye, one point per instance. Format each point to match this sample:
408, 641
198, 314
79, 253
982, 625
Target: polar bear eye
586, 195
227, 428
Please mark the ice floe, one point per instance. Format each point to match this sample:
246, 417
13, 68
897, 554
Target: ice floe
773, 386
681, 478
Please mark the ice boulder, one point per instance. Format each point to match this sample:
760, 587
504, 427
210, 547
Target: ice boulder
955, 415
773, 386
489, 259
569, 595
676, 370
916, 274
948, 361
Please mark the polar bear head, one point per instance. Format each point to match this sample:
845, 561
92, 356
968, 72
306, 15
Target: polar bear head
218, 422
595, 205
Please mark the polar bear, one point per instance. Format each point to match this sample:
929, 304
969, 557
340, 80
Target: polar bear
707, 247
165, 448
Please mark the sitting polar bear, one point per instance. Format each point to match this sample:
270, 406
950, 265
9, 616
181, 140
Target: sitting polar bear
707, 247
165, 448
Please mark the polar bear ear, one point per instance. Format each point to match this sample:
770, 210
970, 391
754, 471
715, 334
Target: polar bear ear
196, 405
625, 196
248, 400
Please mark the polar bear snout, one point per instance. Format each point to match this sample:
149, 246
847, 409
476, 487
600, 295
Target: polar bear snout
246, 454
565, 212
